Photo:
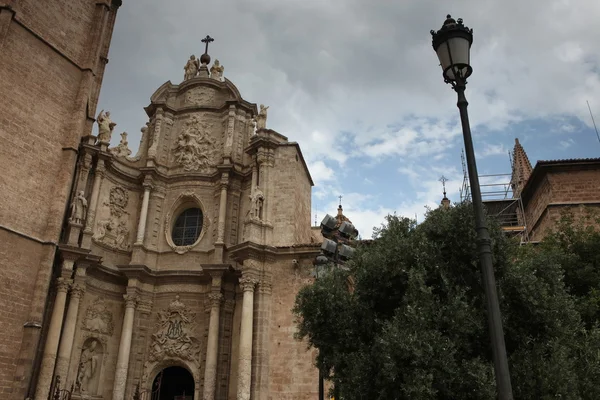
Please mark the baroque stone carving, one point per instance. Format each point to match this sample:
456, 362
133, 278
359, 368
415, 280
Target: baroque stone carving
118, 201
200, 96
175, 336
195, 147
113, 231
98, 318
122, 149
191, 68
105, 126
261, 118
216, 71
248, 283
89, 365
78, 209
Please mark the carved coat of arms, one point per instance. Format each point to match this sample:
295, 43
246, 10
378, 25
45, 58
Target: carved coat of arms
174, 336
195, 148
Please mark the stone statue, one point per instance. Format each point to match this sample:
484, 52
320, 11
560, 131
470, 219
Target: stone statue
78, 209
88, 367
122, 150
257, 198
105, 126
216, 71
253, 124
261, 118
191, 68
122, 240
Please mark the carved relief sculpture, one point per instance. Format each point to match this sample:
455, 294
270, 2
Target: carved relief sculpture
78, 209
113, 231
98, 318
261, 118
195, 147
191, 68
89, 364
216, 71
105, 126
174, 337
122, 150
201, 96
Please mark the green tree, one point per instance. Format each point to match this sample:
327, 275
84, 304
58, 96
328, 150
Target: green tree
415, 325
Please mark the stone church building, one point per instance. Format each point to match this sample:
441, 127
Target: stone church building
171, 272
167, 273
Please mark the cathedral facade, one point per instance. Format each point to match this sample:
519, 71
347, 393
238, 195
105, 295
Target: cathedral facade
180, 264
171, 272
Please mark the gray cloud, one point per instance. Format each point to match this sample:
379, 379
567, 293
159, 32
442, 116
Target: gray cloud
341, 76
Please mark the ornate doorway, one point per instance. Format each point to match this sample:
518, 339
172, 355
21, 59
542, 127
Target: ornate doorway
173, 383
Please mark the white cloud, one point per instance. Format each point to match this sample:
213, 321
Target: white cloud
358, 86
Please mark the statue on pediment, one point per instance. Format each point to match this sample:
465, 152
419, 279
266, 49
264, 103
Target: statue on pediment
105, 126
216, 71
122, 149
261, 118
191, 68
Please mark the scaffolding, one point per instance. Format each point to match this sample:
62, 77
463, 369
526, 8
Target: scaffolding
499, 200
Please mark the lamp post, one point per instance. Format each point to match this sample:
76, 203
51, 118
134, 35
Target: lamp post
452, 43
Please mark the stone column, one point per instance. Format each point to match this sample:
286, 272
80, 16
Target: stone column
66, 341
222, 208
245, 347
91, 214
124, 347
260, 361
141, 231
49, 357
212, 346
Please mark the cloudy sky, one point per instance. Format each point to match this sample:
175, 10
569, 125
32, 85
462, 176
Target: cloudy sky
357, 84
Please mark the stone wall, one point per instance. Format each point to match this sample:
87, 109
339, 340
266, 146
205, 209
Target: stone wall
290, 190
45, 48
559, 190
293, 375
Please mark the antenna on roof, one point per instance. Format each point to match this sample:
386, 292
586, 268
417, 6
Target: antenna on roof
594, 122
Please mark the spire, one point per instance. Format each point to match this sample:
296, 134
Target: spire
521, 169
445, 201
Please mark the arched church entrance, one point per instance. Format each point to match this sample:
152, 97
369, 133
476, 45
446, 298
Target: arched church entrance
173, 383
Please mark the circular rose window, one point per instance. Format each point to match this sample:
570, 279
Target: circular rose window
187, 227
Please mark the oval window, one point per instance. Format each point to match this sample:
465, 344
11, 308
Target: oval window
187, 227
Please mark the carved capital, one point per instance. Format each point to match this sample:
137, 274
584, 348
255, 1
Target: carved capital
100, 168
247, 283
77, 290
148, 184
131, 300
62, 284
215, 299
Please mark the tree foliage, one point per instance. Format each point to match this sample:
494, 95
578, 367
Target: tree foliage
415, 325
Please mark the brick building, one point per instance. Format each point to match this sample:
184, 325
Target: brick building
53, 55
540, 194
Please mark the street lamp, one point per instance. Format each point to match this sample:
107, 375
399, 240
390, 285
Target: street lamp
452, 43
